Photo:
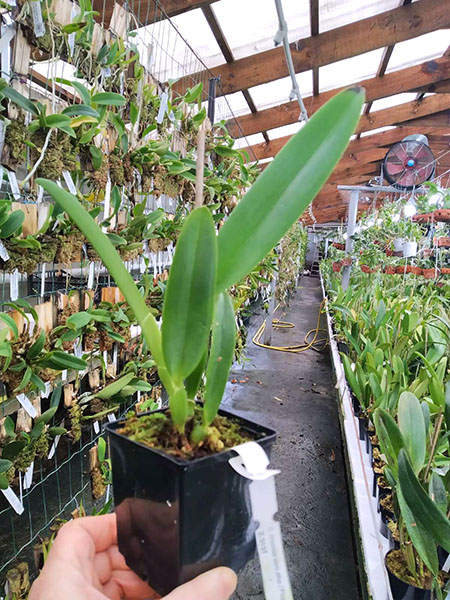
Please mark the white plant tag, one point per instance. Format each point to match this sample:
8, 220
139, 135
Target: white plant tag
20, 488
96, 427
40, 194
446, 566
13, 500
3, 252
42, 280
2, 140
14, 285
139, 396
51, 454
112, 418
115, 353
69, 182
48, 389
14, 185
64, 375
108, 493
252, 463
90, 281
28, 477
78, 350
162, 107
105, 357
107, 204
71, 38
38, 23
26, 405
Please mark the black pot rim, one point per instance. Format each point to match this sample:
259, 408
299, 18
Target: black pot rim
251, 426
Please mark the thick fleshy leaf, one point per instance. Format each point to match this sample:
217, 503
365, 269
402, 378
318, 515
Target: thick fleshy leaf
193, 380
437, 491
37, 347
412, 427
421, 539
391, 441
286, 188
115, 387
12, 224
220, 356
421, 505
189, 297
108, 99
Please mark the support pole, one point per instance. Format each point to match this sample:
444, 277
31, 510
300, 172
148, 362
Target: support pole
351, 223
268, 330
212, 98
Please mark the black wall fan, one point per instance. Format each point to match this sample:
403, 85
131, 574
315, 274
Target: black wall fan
409, 163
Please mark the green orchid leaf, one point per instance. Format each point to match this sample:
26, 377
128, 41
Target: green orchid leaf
37, 347
189, 297
80, 110
115, 387
437, 492
220, 357
412, 426
285, 189
108, 99
79, 320
5, 465
192, 382
13, 224
20, 100
46, 416
389, 435
423, 509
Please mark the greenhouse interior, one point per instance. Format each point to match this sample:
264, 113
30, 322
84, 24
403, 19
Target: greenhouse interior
225, 299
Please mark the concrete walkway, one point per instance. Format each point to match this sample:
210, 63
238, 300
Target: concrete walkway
293, 394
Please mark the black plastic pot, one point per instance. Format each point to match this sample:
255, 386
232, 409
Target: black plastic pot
442, 556
384, 516
362, 427
402, 590
177, 519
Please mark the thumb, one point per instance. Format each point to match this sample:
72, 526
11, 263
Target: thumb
218, 584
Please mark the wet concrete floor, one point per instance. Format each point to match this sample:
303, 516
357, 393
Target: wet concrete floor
294, 394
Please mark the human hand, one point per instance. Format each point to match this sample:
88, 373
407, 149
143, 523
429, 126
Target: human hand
85, 564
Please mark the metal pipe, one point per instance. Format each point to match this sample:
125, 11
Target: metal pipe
351, 224
282, 36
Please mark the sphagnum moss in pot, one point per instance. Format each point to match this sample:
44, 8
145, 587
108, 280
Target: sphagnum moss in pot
181, 508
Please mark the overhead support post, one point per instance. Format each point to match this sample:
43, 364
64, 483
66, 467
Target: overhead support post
212, 85
351, 224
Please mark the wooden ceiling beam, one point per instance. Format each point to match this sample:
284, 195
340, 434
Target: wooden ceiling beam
149, 11
400, 114
384, 29
441, 87
397, 82
438, 120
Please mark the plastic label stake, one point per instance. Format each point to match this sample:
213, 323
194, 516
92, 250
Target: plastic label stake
51, 454
252, 463
28, 477
162, 107
96, 427
14, 285
14, 185
69, 182
38, 23
26, 405
42, 280
90, 281
3, 252
2, 140
13, 500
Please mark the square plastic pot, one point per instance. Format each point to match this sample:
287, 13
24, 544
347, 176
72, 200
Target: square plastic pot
177, 519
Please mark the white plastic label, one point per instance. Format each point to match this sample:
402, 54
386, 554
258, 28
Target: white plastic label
40, 194
252, 463
115, 353
64, 375
77, 350
48, 389
96, 427
69, 182
38, 23
107, 204
2, 138
14, 285
108, 492
3, 252
28, 477
14, 185
90, 281
43, 280
162, 107
13, 500
26, 405
105, 357
112, 418
71, 38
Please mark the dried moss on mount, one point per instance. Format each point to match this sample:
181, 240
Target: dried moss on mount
25, 457
14, 148
61, 154
42, 446
69, 248
75, 414
116, 170
99, 178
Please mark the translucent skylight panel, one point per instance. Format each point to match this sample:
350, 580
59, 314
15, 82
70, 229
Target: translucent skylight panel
166, 54
425, 47
277, 92
392, 101
250, 26
285, 130
379, 130
350, 70
250, 140
231, 104
335, 13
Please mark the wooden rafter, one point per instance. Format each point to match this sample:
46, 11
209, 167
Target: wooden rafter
395, 115
149, 11
404, 80
390, 27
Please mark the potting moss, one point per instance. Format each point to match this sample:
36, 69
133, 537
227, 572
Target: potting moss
60, 155
69, 248
15, 136
25, 457
99, 178
98, 486
75, 414
396, 563
157, 431
116, 170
